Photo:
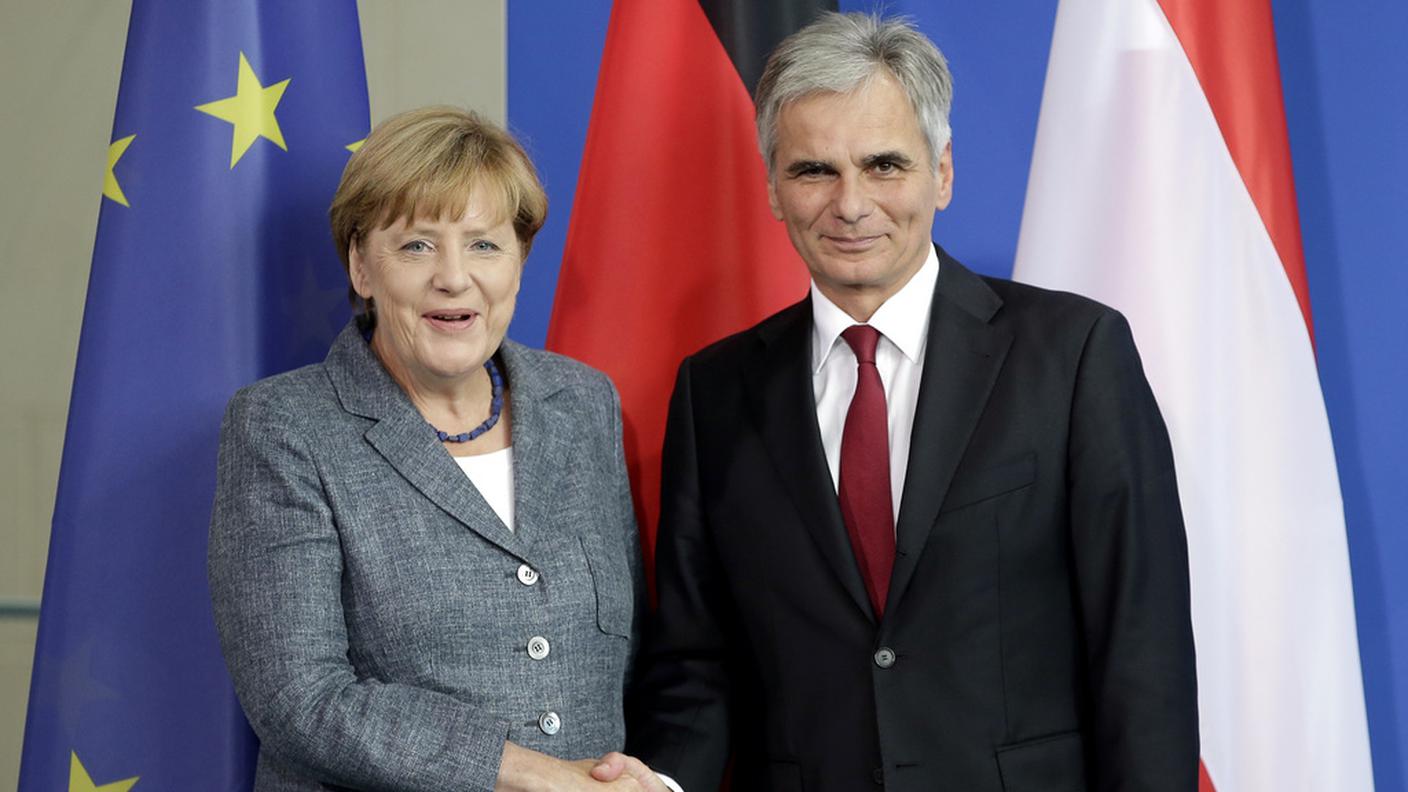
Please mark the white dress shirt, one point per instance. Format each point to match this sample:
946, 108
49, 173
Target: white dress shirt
903, 322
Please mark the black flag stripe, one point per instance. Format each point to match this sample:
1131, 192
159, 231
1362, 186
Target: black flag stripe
749, 29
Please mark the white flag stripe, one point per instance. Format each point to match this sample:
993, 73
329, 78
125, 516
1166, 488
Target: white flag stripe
1135, 200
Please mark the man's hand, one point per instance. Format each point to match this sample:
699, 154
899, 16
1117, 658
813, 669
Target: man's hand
525, 770
613, 765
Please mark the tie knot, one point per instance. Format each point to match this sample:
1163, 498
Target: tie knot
863, 340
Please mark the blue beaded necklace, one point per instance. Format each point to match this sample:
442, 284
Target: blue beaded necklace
496, 406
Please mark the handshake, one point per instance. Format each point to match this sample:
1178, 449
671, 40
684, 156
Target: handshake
627, 772
525, 769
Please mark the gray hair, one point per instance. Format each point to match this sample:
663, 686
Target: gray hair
839, 53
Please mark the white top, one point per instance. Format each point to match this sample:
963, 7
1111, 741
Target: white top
492, 475
903, 322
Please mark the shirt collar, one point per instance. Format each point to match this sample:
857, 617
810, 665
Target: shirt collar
903, 319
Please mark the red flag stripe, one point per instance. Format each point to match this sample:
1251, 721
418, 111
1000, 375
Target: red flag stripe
1232, 46
672, 244
1204, 780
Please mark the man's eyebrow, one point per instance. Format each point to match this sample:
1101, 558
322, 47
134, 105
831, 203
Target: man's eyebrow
802, 166
895, 157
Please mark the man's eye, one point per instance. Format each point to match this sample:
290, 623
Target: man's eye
886, 166
812, 171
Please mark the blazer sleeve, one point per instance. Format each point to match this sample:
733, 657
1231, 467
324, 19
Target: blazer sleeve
679, 713
625, 507
1131, 560
275, 570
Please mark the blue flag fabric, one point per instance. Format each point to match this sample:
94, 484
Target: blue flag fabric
214, 266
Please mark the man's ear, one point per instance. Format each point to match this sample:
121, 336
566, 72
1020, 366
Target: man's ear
945, 177
772, 196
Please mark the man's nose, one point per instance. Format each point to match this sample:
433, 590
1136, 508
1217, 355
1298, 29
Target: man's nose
850, 203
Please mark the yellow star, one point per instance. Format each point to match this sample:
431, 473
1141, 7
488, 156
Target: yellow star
80, 781
251, 110
110, 186
352, 147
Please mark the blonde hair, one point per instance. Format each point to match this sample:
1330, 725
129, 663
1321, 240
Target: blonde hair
425, 163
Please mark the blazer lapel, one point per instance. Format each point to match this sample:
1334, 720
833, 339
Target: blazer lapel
779, 385
402, 437
543, 445
962, 359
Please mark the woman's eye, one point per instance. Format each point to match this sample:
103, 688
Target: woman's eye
483, 246
416, 246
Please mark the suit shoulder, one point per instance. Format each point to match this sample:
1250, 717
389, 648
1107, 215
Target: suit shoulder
731, 349
1024, 304
291, 391
561, 372
294, 406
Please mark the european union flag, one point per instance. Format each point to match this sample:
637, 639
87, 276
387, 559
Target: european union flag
213, 267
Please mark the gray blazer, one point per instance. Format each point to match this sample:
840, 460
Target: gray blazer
374, 612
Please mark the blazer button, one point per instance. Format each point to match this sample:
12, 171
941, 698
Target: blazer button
549, 723
538, 647
884, 657
878, 776
527, 575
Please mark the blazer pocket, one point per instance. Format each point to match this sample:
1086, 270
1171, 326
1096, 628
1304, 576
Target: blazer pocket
1000, 479
611, 578
1047, 764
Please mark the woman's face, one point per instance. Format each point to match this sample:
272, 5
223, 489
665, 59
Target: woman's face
444, 291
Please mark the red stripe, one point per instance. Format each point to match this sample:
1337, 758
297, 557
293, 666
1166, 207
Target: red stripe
1204, 780
1232, 46
672, 244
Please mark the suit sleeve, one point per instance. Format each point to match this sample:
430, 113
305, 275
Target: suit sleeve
275, 569
1131, 560
679, 722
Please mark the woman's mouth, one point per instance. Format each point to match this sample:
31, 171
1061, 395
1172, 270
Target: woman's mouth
450, 320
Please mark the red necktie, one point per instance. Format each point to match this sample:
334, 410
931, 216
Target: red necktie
865, 470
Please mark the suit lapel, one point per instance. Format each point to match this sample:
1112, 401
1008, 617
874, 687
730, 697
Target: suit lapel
402, 437
779, 385
963, 356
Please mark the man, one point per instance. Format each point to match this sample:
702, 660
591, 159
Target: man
921, 530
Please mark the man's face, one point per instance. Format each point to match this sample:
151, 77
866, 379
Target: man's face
854, 183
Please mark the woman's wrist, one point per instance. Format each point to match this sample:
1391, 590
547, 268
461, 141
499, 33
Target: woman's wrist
526, 770
519, 768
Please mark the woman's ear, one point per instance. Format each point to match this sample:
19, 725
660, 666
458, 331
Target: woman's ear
357, 269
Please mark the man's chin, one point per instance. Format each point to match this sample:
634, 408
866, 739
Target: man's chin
854, 273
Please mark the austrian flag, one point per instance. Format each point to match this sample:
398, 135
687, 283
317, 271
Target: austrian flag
1161, 185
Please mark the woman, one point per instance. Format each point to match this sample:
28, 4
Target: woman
423, 558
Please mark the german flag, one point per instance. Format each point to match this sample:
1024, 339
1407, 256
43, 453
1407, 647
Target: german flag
672, 244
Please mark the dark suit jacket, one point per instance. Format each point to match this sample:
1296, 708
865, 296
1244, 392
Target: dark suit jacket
1038, 612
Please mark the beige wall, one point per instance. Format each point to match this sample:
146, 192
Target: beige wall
59, 68
422, 52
